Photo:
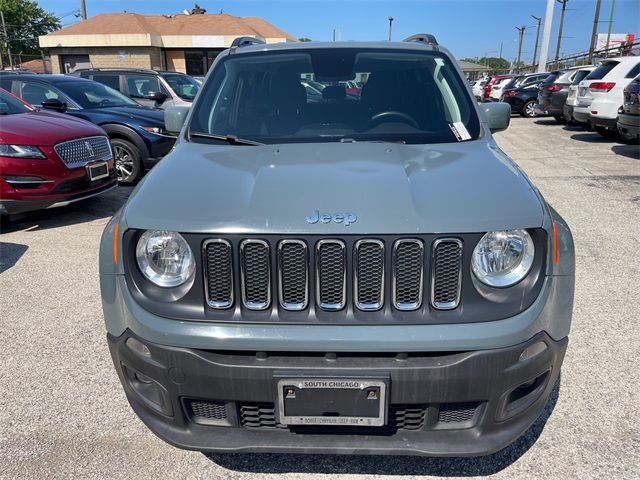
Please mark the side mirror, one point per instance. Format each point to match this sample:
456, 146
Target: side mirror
55, 104
157, 97
174, 118
496, 116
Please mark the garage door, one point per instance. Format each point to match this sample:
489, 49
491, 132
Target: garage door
70, 63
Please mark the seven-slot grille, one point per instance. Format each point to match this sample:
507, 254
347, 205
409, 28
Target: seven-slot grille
77, 153
328, 271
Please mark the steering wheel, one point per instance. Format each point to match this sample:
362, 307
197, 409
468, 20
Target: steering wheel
403, 117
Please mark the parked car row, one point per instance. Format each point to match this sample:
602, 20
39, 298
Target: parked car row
603, 98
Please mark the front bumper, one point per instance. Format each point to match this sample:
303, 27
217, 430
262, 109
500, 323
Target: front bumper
439, 403
41, 202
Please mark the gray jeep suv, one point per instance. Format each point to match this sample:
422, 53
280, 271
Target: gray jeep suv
361, 273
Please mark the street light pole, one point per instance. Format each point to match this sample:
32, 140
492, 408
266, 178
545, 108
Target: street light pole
564, 7
594, 32
606, 49
83, 9
520, 37
535, 49
6, 39
390, 22
546, 36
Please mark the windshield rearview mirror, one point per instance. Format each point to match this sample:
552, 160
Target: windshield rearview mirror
496, 116
174, 118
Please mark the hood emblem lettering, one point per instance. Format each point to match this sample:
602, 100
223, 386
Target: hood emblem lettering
347, 218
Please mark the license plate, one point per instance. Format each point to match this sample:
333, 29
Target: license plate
332, 401
97, 171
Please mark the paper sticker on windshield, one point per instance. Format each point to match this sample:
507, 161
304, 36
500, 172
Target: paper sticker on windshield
460, 131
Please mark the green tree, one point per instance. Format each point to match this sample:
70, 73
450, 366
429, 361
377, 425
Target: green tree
496, 64
25, 21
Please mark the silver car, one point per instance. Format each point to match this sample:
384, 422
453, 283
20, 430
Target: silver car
357, 274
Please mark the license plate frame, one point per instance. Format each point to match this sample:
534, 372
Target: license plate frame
96, 171
358, 388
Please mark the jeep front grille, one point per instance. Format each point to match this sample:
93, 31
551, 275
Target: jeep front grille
408, 274
331, 274
293, 274
447, 273
255, 260
218, 273
369, 274
77, 153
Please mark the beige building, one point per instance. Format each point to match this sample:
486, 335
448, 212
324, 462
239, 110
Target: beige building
184, 43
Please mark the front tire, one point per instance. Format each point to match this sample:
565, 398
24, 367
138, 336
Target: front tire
128, 161
529, 109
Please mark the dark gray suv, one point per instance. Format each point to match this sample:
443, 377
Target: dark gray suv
354, 274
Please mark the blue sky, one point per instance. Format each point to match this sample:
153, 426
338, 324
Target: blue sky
469, 28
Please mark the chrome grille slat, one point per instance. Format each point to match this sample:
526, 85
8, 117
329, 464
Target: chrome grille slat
293, 274
446, 270
408, 274
255, 260
369, 274
218, 267
331, 274
77, 153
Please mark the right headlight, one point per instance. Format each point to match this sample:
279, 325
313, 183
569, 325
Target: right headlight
503, 258
165, 258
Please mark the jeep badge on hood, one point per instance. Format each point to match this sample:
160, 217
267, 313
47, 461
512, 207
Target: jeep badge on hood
347, 218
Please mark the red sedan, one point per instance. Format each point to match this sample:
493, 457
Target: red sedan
48, 159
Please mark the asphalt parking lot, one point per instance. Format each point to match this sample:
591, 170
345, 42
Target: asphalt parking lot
63, 413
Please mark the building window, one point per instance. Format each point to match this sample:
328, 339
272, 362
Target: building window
198, 62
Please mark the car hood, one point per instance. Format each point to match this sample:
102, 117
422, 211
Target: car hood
144, 116
44, 128
391, 188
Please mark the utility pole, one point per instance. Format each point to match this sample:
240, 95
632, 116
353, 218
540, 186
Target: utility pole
613, 4
594, 32
501, 49
83, 9
535, 49
520, 37
334, 34
390, 22
6, 39
546, 36
564, 7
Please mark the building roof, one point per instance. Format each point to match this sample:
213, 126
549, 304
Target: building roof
207, 24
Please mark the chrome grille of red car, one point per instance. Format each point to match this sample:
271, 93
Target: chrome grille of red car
77, 153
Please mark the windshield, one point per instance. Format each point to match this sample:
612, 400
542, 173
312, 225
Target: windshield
580, 75
10, 105
280, 97
183, 85
89, 94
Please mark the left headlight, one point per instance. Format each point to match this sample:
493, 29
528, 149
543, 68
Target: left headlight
21, 151
165, 258
503, 258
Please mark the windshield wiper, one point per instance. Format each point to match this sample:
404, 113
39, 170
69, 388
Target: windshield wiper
231, 139
352, 140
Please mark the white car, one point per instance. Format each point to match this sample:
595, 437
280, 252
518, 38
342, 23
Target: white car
572, 97
478, 88
600, 93
498, 87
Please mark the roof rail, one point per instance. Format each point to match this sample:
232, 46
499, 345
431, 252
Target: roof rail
244, 41
423, 38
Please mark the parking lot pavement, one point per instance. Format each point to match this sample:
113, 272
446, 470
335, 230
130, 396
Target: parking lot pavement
63, 412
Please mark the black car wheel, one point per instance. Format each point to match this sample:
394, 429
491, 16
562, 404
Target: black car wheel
127, 157
529, 109
560, 119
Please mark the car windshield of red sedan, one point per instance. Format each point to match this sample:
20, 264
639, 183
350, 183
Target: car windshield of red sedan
10, 105
90, 94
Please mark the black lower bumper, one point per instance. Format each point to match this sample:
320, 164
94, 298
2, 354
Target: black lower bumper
440, 404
